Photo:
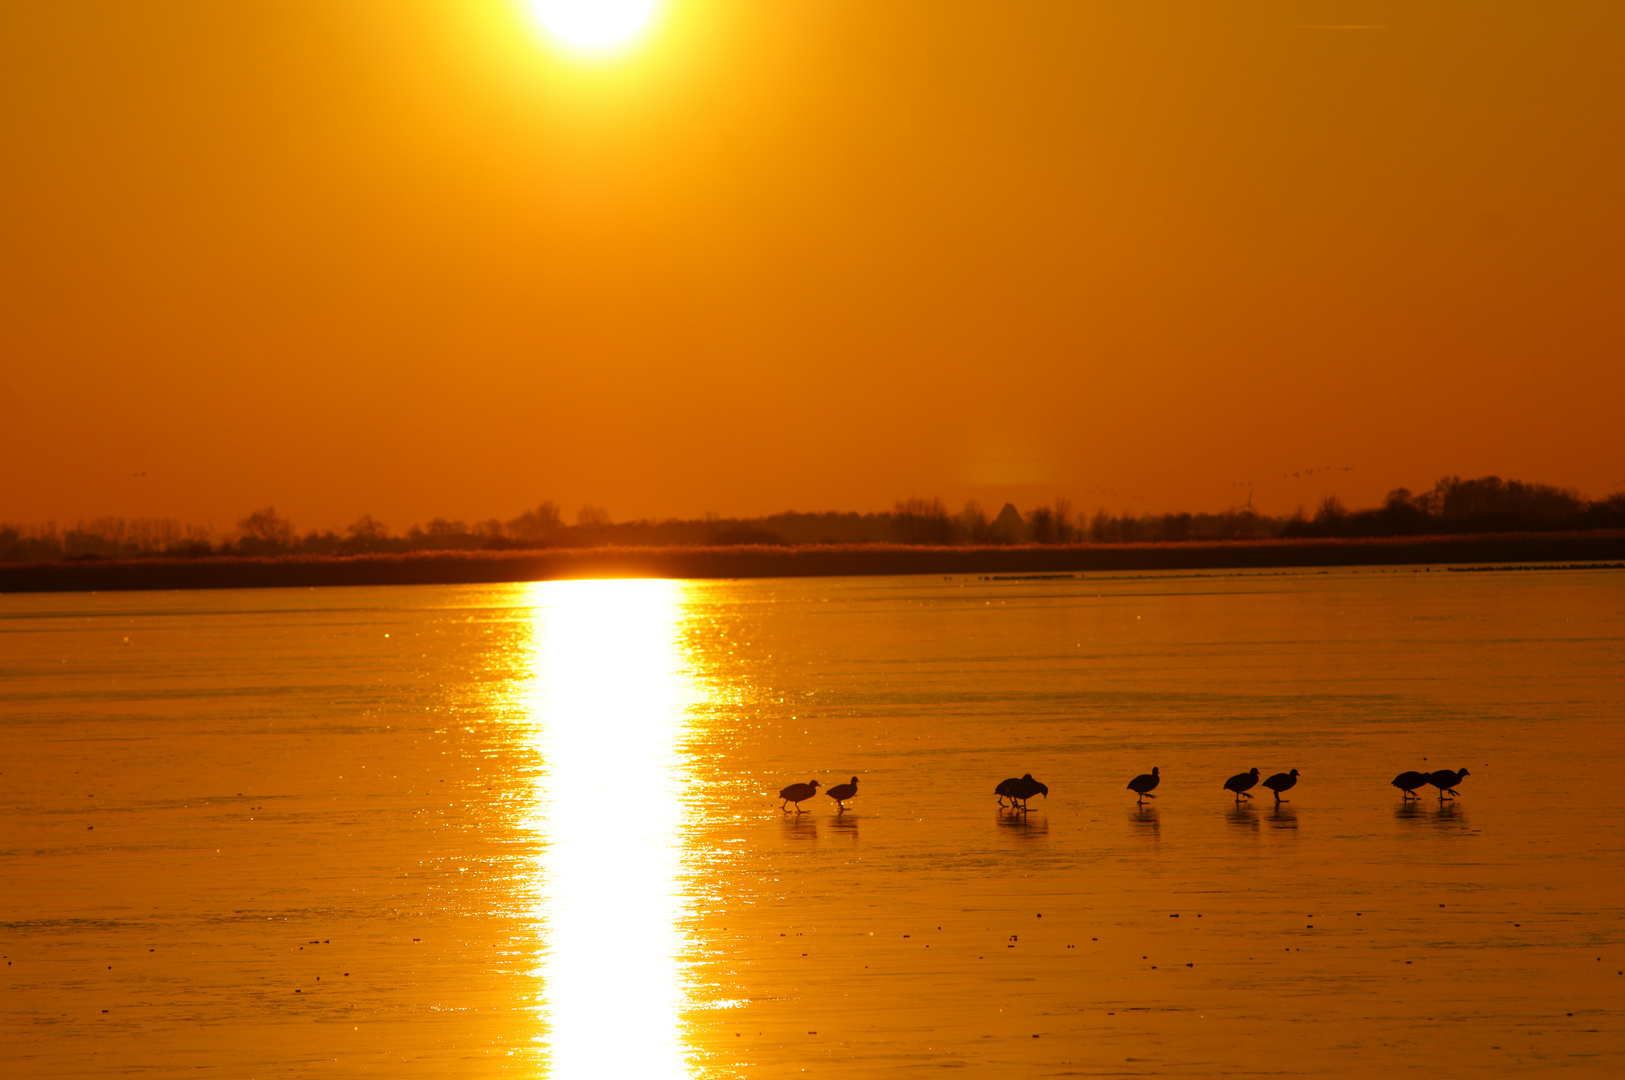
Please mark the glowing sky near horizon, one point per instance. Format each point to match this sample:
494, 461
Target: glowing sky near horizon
594, 26
413, 261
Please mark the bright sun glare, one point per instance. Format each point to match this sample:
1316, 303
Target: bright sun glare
609, 718
594, 25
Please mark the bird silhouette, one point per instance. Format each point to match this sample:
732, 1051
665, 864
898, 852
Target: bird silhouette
1446, 781
1020, 789
1141, 785
1030, 787
1281, 782
1408, 782
796, 792
842, 792
1240, 782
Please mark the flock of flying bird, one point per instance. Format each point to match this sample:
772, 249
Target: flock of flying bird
1019, 789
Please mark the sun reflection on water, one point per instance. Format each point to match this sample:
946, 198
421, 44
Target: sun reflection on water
609, 712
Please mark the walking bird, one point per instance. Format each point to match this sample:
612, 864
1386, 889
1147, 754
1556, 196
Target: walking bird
1027, 787
842, 792
1282, 782
1020, 789
1141, 785
1408, 782
1446, 781
796, 792
1240, 782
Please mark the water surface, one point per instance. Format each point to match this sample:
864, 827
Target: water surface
532, 830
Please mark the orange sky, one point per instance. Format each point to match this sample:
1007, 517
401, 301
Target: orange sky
408, 259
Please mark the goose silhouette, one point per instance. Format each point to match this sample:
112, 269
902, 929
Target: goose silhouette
1446, 781
1282, 782
797, 792
1240, 782
1020, 789
842, 792
1408, 782
1141, 785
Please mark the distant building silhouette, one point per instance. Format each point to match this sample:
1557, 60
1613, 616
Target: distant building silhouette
1008, 527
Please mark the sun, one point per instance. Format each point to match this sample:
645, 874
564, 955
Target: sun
594, 25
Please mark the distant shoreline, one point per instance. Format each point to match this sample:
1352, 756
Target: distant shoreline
832, 560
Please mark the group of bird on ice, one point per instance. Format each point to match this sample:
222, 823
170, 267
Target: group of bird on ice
1019, 789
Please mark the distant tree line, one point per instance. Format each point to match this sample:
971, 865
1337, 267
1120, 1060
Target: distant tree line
1488, 504
1453, 506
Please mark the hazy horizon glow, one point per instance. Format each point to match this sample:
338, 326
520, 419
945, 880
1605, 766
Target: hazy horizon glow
412, 261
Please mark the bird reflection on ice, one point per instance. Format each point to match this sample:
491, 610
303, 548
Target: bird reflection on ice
1450, 816
608, 712
1447, 816
1243, 817
846, 824
1024, 824
799, 828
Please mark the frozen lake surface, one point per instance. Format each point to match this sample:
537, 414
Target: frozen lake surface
533, 830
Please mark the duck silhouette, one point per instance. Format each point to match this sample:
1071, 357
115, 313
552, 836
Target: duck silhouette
797, 792
1141, 785
1446, 781
1020, 789
842, 792
1240, 782
1281, 782
1408, 782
